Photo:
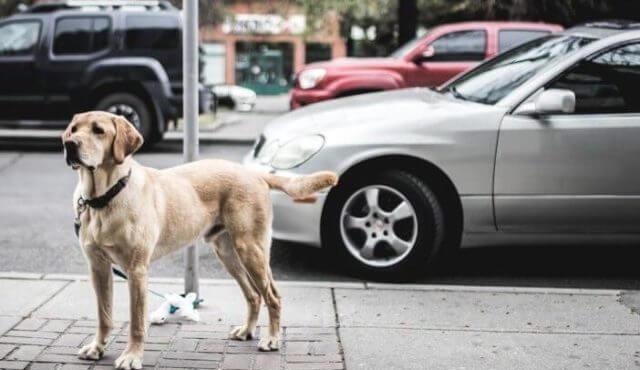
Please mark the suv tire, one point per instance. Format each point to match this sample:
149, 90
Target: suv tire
133, 109
419, 224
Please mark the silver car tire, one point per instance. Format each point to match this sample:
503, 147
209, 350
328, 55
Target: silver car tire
384, 227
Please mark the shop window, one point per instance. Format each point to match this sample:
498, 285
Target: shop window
265, 67
213, 59
317, 52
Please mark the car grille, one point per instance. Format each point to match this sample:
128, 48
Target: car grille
258, 146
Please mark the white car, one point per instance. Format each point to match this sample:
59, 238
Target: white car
237, 97
539, 144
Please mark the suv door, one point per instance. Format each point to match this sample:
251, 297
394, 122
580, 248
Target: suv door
576, 172
453, 52
77, 41
21, 89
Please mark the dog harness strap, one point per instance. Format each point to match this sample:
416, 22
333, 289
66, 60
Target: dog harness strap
103, 200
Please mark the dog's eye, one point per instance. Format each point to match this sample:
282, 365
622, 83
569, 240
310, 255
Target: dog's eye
97, 130
74, 129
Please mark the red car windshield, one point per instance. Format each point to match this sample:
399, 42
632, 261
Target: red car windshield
496, 78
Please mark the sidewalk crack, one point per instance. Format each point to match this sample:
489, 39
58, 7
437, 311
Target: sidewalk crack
337, 326
11, 162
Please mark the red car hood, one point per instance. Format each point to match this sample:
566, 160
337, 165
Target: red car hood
357, 63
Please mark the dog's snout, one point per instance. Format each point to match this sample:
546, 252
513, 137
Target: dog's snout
71, 150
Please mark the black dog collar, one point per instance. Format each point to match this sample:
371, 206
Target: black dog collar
101, 201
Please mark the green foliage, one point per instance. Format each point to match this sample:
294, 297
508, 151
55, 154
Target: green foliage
8, 7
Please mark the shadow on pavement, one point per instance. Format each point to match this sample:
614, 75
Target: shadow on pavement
593, 267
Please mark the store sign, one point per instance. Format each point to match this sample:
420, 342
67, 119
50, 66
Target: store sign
264, 24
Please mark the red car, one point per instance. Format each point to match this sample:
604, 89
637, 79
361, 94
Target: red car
428, 61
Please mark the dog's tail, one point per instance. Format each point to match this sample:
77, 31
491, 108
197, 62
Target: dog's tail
301, 187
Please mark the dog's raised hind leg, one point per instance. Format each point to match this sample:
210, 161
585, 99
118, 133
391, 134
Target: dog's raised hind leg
223, 248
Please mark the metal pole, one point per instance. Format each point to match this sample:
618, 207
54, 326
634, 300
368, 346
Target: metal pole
190, 109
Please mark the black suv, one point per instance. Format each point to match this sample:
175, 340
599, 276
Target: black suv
57, 59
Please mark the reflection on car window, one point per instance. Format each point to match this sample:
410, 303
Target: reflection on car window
511, 38
460, 46
80, 35
152, 33
607, 83
19, 38
406, 48
496, 78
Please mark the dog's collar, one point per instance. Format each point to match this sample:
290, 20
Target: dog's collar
103, 200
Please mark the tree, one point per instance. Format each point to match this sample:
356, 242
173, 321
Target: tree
407, 20
8, 7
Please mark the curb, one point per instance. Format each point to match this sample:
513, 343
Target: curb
343, 285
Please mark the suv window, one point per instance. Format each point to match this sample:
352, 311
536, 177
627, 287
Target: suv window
81, 35
19, 38
157, 33
606, 83
510, 38
460, 46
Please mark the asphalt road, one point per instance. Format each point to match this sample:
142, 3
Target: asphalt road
36, 235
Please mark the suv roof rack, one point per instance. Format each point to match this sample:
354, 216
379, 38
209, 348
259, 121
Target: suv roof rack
50, 6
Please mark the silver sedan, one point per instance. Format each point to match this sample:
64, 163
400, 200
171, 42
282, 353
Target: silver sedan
539, 144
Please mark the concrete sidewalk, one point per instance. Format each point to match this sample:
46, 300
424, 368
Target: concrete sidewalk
45, 318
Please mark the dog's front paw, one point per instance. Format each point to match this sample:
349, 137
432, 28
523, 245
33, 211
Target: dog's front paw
269, 343
241, 333
129, 360
92, 351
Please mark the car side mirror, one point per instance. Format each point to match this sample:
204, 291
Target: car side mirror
551, 101
426, 54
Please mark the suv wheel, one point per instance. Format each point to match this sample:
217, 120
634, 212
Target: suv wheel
385, 227
132, 108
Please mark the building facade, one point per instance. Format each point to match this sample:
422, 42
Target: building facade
261, 45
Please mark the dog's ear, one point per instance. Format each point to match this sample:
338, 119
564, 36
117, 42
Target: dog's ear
127, 140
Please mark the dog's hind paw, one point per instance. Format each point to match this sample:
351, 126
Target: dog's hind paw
241, 333
128, 361
92, 351
269, 343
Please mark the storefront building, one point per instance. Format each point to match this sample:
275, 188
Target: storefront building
261, 49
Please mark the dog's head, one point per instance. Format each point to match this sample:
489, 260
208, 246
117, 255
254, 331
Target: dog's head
93, 139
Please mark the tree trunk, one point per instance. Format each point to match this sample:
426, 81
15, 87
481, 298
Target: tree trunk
407, 20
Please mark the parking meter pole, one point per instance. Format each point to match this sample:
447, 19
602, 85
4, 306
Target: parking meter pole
190, 110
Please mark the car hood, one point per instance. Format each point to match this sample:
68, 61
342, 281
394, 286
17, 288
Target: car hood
399, 112
357, 63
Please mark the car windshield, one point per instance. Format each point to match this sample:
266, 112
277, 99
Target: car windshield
493, 80
406, 48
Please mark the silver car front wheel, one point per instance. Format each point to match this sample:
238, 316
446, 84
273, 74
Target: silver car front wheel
370, 225
383, 226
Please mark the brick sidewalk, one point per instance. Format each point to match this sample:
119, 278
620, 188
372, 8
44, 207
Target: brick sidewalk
39, 344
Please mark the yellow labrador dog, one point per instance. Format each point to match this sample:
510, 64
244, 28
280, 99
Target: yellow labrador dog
131, 215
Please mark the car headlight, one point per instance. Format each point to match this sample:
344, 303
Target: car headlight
268, 152
309, 78
297, 151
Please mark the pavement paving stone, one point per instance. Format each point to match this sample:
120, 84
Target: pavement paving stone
8, 322
57, 326
25, 353
5, 349
10, 365
17, 303
30, 324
